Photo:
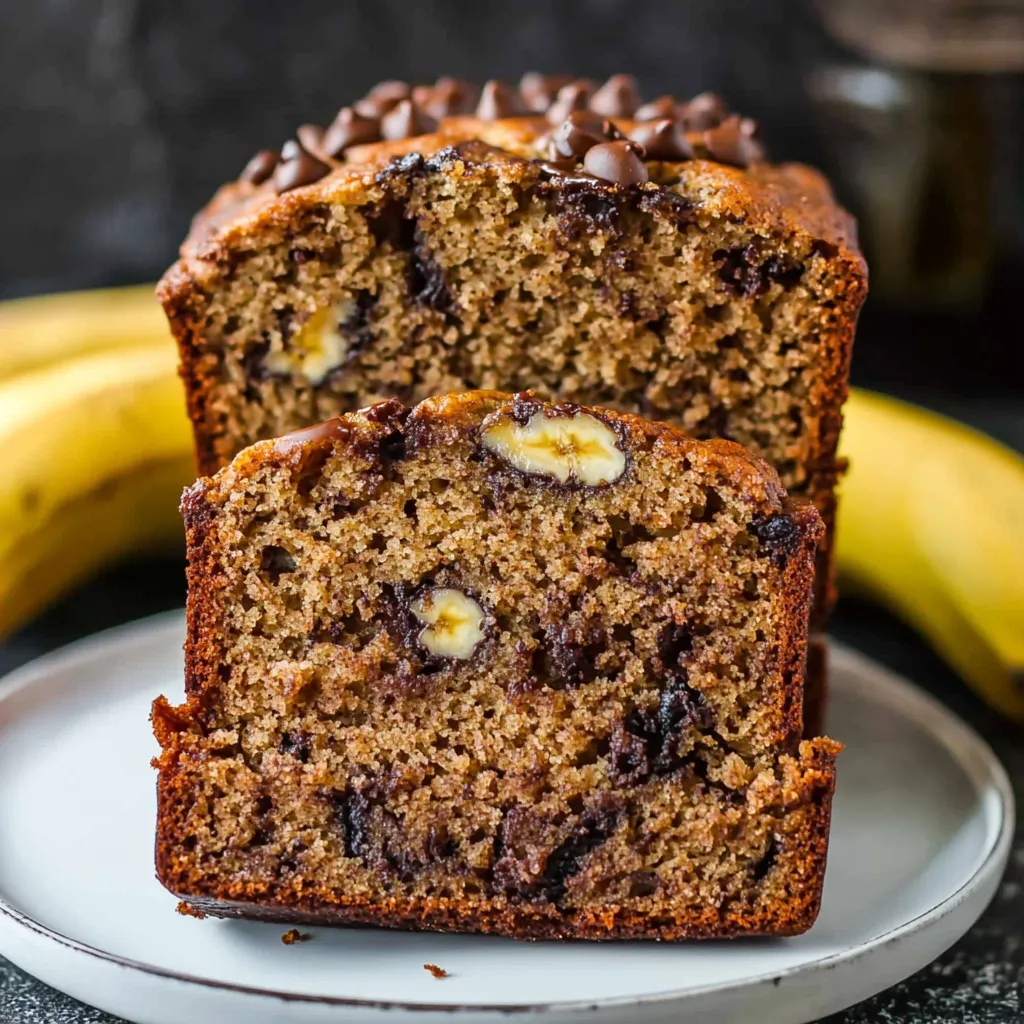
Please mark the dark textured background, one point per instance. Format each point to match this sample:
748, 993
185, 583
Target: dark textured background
121, 117
118, 119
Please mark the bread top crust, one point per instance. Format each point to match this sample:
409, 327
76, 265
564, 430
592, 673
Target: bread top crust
441, 420
781, 199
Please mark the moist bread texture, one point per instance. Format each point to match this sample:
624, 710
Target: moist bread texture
721, 298
497, 665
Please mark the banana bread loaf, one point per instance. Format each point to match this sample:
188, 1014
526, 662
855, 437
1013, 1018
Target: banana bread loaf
561, 235
497, 665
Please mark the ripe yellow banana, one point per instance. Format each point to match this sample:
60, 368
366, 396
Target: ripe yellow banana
931, 524
96, 450
36, 332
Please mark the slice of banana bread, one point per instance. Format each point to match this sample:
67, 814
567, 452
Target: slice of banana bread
497, 665
443, 238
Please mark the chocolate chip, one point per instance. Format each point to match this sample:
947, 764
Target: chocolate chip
734, 142
406, 120
297, 167
469, 91
663, 106
663, 727
311, 136
618, 97
428, 285
620, 162
567, 859
584, 210
440, 846
260, 167
425, 97
253, 361
370, 106
349, 128
827, 250
765, 864
743, 272
334, 429
663, 140
384, 96
390, 89
644, 883
674, 641
567, 170
389, 411
568, 656
520, 836
782, 271
680, 706
778, 535
629, 760
579, 132
573, 96
499, 100
372, 833
295, 745
529, 860
539, 91
446, 97
352, 813
392, 447
357, 327
707, 110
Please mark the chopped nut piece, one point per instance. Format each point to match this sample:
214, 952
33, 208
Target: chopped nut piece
317, 349
294, 935
453, 622
580, 447
437, 972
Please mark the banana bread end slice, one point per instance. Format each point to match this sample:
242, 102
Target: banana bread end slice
494, 664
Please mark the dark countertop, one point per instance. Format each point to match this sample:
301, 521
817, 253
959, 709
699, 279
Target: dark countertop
980, 980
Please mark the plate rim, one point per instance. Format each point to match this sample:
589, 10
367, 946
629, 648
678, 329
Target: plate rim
969, 749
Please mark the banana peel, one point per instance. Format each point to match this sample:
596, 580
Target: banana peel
47, 329
96, 450
931, 525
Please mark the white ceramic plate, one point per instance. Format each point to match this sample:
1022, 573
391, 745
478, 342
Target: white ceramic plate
922, 825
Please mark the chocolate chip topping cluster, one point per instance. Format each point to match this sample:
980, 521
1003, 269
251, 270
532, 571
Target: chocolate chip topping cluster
583, 142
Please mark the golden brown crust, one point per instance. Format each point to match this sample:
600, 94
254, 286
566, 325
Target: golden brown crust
785, 198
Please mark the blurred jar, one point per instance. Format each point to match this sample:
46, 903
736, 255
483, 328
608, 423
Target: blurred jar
931, 35
913, 142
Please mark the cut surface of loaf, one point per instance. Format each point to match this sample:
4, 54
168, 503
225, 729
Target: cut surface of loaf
497, 665
692, 290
